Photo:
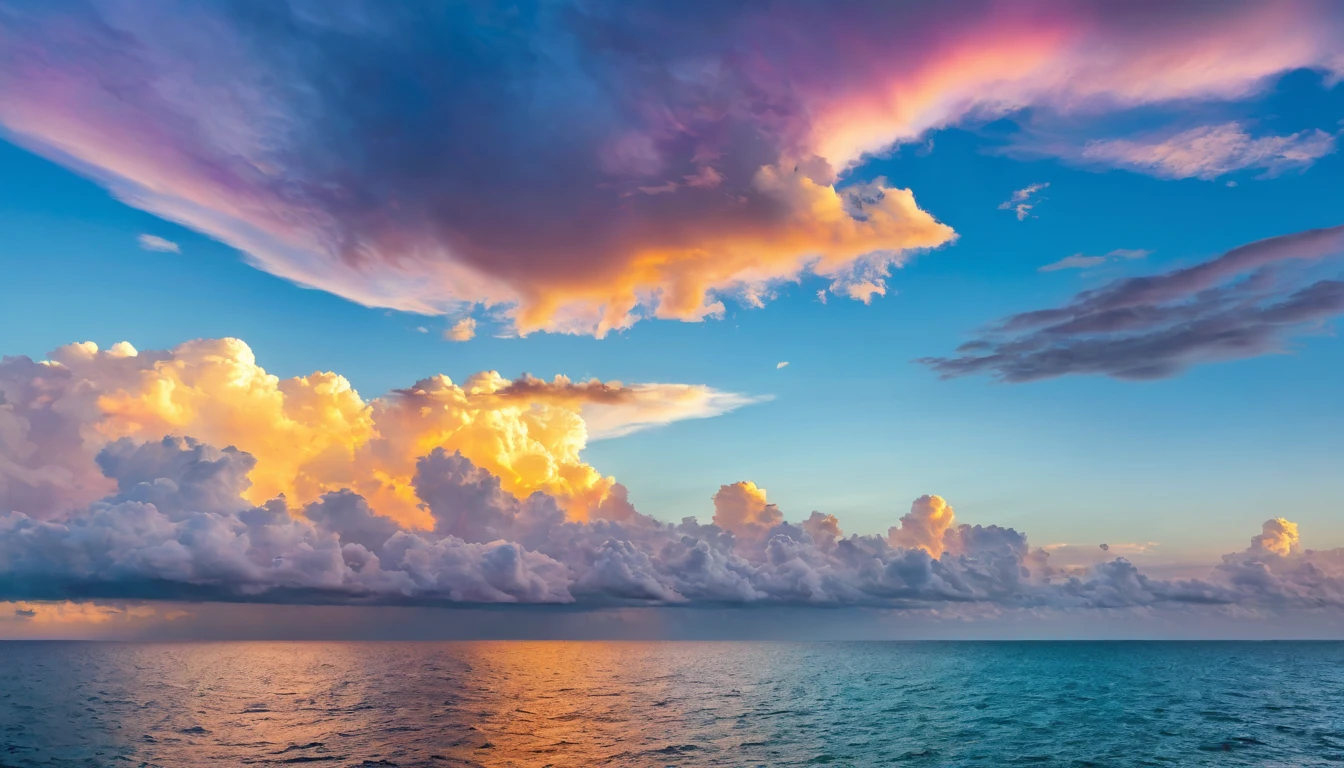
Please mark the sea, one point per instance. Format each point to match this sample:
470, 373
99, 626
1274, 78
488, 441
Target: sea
671, 704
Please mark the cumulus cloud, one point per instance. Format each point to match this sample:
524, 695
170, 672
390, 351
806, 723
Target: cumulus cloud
1244, 303
309, 434
462, 330
177, 526
1277, 537
1023, 200
923, 526
156, 243
741, 509
1210, 151
691, 154
1081, 261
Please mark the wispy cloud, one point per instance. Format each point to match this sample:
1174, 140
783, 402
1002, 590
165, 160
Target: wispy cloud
781, 364
1208, 152
159, 244
1080, 261
1023, 200
1241, 304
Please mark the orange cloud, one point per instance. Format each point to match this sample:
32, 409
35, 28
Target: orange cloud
742, 509
852, 237
1277, 536
313, 434
924, 526
67, 614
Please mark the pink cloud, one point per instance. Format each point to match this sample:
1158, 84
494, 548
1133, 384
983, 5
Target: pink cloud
591, 168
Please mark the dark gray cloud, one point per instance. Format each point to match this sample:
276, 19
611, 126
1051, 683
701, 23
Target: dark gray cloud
1247, 302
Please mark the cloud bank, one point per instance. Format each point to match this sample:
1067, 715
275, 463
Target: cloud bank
177, 527
579, 166
1244, 303
312, 434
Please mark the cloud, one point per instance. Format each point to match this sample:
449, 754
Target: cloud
781, 364
177, 527
691, 154
1080, 261
613, 409
1023, 200
1244, 303
64, 614
741, 509
312, 434
923, 526
156, 243
1210, 151
462, 330
1278, 537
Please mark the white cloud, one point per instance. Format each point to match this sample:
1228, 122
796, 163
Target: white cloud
1023, 200
781, 364
1210, 151
158, 244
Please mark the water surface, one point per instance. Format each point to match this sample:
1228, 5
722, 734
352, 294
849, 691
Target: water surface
671, 704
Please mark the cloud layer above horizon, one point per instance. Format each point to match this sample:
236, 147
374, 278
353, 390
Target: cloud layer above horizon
178, 528
576, 167
446, 494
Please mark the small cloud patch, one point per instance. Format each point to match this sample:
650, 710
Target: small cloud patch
1080, 261
462, 330
158, 244
1023, 200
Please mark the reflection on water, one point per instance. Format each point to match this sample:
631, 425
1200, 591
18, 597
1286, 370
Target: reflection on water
660, 704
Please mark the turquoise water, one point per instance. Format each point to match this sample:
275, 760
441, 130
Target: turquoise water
671, 704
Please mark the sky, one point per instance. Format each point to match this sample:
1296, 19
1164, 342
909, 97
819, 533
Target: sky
912, 307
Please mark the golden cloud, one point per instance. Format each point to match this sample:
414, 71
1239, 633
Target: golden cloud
313, 434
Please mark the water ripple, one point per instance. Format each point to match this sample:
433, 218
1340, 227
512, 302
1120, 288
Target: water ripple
671, 704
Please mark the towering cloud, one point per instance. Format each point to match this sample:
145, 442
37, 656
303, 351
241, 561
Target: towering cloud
741, 509
1278, 537
311, 434
1244, 303
582, 165
924, 526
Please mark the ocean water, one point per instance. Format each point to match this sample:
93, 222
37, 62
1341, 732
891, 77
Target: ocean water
671, 704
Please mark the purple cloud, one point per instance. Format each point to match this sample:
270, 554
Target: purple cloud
583, 166
177, 528
1242, 304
